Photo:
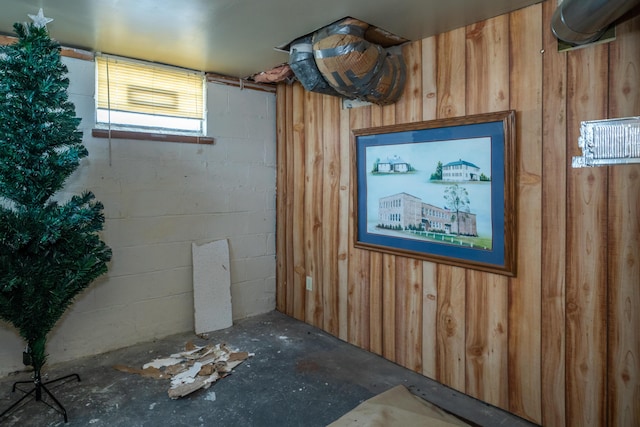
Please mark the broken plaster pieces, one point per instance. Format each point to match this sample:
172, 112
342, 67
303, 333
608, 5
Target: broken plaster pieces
193, 369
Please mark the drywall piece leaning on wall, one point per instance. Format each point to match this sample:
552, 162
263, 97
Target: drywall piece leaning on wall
609, 142
339, 60
211, 286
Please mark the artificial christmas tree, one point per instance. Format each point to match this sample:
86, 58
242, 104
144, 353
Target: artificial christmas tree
50, 249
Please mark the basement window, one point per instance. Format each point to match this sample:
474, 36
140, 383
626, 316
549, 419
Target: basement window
138, 96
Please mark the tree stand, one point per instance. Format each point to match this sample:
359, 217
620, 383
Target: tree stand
39, 386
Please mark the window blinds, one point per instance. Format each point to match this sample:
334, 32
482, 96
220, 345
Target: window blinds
136, 87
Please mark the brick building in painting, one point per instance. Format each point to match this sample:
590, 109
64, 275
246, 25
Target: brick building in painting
404, 211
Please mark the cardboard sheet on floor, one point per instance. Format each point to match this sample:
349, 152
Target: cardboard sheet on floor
397, 407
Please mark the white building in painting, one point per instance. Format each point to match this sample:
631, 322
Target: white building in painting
460, 170
393, 164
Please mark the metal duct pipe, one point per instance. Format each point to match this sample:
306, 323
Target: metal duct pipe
583, 21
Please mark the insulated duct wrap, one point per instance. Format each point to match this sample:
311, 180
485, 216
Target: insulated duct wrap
346, 60
348, 64
390, 83
304, 66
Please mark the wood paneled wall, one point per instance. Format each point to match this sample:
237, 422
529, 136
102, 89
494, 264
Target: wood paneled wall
559, 343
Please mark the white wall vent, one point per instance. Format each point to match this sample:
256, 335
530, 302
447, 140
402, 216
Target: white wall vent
609, 142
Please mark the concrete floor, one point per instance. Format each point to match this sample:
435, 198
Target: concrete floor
299, 376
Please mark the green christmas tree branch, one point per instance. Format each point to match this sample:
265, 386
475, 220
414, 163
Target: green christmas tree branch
49, 250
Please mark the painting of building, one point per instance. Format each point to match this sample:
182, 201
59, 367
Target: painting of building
435, 218
460, 170
399, 211
403, 211
465, 224
393, 164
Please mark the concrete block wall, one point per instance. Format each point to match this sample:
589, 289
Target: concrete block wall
159, 198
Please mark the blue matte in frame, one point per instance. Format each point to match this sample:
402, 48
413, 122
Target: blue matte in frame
495, 130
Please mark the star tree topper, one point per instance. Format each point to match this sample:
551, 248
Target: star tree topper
40, 20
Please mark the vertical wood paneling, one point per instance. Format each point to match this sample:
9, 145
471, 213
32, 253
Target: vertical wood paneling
429, 59
388, 321
429, 92
524, 290
389, 114
376, 302
389, 309
558, 343
330, 199
409, 106
344, 222
281, 198
586, 246
487, 67
358, 310
298, 224
358, 299
409, 313
376, 115
429, 319
624, 238
452, 82
451, 338
451, 94
486, 348
554, 226
375, 271
451, 357
287, 186
408, 278
487, 71
313, 195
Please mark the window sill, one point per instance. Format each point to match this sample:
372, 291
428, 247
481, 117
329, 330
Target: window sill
150, 136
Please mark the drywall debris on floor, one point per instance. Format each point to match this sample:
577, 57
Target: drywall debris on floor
195, 368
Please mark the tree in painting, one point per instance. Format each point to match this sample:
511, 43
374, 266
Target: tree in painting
457, 200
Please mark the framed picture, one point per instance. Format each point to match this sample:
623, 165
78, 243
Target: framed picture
440, 190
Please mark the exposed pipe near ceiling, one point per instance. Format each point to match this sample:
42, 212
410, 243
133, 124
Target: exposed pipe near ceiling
584, 21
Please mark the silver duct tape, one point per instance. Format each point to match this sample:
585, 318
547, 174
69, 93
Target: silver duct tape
390, 83
609, 142
373, 74
358, 85
304, 67
302, 48
339, 28
359, 46
333, 64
